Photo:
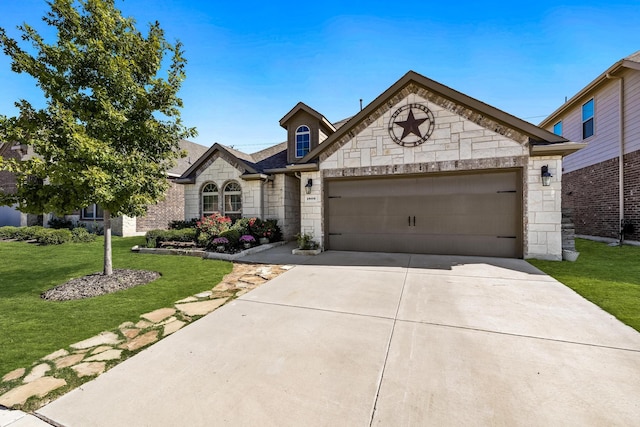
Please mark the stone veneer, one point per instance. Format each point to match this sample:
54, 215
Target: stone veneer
461, 141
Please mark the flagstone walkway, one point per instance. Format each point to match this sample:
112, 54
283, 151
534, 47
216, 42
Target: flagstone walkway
49, 377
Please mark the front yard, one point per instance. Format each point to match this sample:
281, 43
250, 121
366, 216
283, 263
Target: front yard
607, 276
33, 327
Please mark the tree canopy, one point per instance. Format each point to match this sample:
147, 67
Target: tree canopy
111, 126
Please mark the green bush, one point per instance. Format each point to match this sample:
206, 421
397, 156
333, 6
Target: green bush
59, 223
179, 225
28, 233
243, 225
50, 236
8, 232
233, 236
81, 235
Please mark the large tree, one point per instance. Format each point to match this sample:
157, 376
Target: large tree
111, 125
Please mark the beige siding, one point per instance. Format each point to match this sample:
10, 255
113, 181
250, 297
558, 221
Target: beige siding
632, 111
604, 144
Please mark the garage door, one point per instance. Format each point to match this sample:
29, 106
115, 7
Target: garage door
472, 214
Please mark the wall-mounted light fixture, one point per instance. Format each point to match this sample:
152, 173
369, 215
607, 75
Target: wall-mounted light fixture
546, 176
307, 188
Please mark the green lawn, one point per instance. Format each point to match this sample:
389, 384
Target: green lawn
32, 327
607, 276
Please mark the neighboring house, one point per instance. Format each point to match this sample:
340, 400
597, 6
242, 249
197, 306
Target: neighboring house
158, 215
422, 169
601, 183
9, 215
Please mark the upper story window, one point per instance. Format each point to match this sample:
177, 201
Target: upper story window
587, 119
303, 141
557, 128
233, 200
209, 199
92, 212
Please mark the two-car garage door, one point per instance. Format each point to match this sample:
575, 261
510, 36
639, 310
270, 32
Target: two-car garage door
461, 214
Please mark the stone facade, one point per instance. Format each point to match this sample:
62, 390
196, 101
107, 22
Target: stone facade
461, 141
592, 193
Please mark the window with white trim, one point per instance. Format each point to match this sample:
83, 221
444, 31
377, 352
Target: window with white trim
92, 212
303, 141
557, 128
587, 119
209, 199
233, 200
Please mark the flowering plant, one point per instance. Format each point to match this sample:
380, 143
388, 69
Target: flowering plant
247, 238
213, 225
220, 241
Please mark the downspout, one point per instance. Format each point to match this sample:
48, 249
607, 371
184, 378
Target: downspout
621, 152
262, 193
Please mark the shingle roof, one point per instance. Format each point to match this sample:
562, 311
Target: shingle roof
194, 151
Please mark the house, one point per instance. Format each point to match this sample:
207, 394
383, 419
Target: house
601, 183
158, 215
422, 169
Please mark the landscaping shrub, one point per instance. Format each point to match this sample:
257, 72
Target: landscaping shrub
81, 235
233, 236
212, 226
179, 224
28, 233
8, 232
156, 237
59, 223
243, 225
268, 228
51, 236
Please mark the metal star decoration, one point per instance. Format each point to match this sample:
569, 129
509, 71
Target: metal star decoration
411, 125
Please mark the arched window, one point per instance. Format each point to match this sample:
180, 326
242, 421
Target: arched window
233, 200
303, 144
209, 199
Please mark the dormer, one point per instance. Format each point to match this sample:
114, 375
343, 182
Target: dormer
306, 129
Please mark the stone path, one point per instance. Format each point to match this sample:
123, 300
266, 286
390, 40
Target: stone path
66, 369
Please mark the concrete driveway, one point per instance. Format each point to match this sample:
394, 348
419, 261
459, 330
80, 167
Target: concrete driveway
354, 339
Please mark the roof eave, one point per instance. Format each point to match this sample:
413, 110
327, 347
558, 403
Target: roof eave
588, 89
557, 149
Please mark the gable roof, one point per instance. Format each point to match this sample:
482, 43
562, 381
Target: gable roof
193, 150
536, 135
301, 106
274, 157
631, 62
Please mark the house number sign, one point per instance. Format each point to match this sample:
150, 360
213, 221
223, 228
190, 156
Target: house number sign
411, 125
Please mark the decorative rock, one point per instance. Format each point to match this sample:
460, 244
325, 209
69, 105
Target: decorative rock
56, 355
37, 372
89, 368
101, 349
143, 324
103, 338
40, 387
14, 375
105, 355
169, 320
200, 308
188, 299
205, 294
126, 325
68, 360
242, 292
222, 287
286, 267
140, 341
158, 315
170, 328
130, 333
253, 280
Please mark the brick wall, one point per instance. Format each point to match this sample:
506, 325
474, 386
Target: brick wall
592, 193
632, 192
170, 209
8, 179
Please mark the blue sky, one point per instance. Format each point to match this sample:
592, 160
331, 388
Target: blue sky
250, 62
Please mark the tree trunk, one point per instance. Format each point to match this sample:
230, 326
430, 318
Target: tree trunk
108, 265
